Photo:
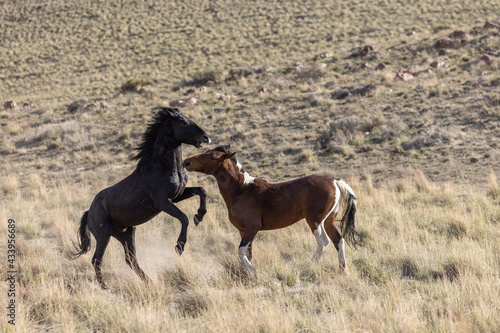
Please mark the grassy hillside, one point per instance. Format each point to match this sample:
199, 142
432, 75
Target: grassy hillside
354, 90
67, 50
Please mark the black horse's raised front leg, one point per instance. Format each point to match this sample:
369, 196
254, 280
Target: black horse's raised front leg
192, 191
168, 207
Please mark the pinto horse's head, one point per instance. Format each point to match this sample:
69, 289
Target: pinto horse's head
208, 162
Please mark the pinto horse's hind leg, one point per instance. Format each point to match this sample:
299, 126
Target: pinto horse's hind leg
317, 224
127, 238
337, 240
322, 240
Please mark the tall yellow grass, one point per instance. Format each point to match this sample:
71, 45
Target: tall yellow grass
430, 263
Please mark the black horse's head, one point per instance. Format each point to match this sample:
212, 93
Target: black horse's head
184, 130
168, 130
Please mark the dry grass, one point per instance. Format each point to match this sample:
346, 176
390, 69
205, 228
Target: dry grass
429, 262
280, 83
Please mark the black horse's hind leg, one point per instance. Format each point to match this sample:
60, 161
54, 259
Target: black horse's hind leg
127, 238
168, 207
102, 238
192, 191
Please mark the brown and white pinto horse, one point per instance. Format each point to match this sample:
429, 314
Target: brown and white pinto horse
254, 204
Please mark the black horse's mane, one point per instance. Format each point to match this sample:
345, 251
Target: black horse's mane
149, 137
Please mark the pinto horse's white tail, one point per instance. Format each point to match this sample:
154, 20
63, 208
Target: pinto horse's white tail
347, 223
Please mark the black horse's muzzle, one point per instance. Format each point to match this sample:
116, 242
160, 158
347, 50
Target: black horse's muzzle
204, 139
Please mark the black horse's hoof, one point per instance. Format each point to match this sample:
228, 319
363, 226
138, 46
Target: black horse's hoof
197, 219
179, 248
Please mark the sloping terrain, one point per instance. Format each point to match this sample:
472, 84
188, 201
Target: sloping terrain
406, 104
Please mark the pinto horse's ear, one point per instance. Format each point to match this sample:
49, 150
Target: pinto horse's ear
223, 157
227, 156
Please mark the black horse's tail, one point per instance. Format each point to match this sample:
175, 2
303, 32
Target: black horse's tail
84, 234
347, 226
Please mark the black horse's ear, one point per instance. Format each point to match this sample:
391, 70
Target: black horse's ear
173, 112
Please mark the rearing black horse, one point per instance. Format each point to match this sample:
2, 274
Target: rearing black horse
157, 183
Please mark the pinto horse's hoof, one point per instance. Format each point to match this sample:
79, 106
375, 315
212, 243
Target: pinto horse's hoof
179, 248
197, 219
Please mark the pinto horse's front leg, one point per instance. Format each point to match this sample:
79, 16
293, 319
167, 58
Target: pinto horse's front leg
245, 247
242, 253
190, 192
168, 207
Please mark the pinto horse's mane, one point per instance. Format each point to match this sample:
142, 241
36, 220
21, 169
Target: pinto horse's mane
225, 149
146, 147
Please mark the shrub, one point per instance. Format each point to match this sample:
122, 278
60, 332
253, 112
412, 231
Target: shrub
339, 132
313, 72
434, 136
202, 78
371, 273
135, 86
409, 269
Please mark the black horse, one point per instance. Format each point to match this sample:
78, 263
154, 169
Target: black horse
157, 183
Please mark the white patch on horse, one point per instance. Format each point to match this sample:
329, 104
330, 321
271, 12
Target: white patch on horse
247, 178
346, 186
345, 190
320, 233
242, 252
238, 165
341, 253
338, 202
338, 198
